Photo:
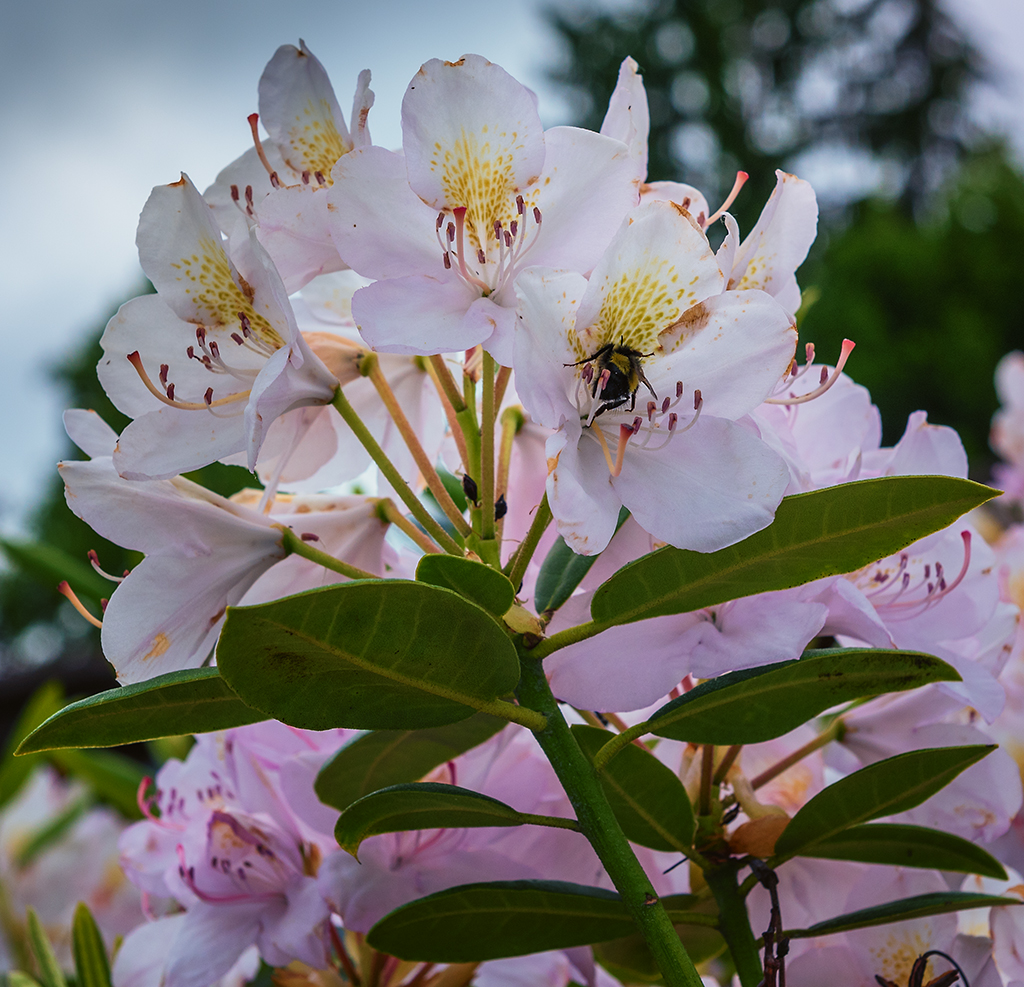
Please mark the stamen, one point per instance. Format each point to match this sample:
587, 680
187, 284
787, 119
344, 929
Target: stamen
94, 561
741, 179
65, 590
274, 180
605, 450
136, 361
844, 355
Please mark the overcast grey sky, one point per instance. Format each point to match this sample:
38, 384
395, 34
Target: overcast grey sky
103, 99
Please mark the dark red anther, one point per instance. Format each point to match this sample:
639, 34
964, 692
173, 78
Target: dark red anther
480, 255
246, 324
234, 193
191, 353
824, 375
92, 556
536, 215
700, 218
637, 422
170, 392
238, 339
309, 536
928, 571
215, 349
508, 238
104, 601
447, 261
652, 406
450, 232
201, 335
208, 396
686, 202
697, 399
665, 404
602, 381
274, 180
305, 178
514, 227
163, 373
248, 195
679, 388
520, 205
497, 230
673, 420
440, 220
587, 373
319, 176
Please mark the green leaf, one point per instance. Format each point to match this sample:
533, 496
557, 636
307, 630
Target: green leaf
389, 757
114, 777
821, 533
51, 565
91, 965
473, 581
919, 906
46, 700
758, 704
420, 805
18, 978
195, 700
562, 571
647, 797
476, 922
881, 789
50, 974
630, 959
369, 654
902, 845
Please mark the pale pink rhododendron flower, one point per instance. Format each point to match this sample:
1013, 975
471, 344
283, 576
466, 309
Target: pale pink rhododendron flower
206, 364
204, 552
280, 184
78, 862
661, 436
481, 191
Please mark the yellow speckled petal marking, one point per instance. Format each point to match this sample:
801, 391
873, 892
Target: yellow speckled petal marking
315, 141
218, 297
477, 172
639, 304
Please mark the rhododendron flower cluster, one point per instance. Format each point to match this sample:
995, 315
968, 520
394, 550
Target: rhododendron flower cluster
633, 645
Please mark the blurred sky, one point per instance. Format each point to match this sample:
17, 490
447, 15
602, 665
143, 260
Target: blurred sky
102, 99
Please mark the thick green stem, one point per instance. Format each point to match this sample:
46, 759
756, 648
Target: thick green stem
734, 923
294, 545
516, 568
387, 468
599, 825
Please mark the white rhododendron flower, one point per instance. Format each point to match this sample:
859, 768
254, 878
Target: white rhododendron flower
210, 361
624, 365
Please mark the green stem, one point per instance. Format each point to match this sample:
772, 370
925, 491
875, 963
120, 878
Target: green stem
294, 545
734, 923
512, 420
833, 732
388, 512
522, 715
392, 475
371, 368
598, 823
444, 380
571, 635
624, 739
487, 449
516, 568
555, 822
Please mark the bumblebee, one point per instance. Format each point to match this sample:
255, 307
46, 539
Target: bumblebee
625, 375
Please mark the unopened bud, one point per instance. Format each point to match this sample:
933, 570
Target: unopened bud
339, 355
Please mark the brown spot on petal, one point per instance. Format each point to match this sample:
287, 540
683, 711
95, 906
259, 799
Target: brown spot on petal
160, 645
692, 321
552, 463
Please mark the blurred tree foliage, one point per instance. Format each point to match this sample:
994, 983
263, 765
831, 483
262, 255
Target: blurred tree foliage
754, 84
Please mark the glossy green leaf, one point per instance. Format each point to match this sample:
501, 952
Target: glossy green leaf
45, 701
821, 533
473, 581
114, 777
92, 968
389, 757
476, 922
420, 805
630, 959
919, 906
562, 571
902, 845
50, 973
758, 704
373, 654
647, 797
194, 700
884, 788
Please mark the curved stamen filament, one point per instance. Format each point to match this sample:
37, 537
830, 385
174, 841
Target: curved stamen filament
66, 591
741, 180
253, 120
94, 561
188, 875
136, 361
844, 355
